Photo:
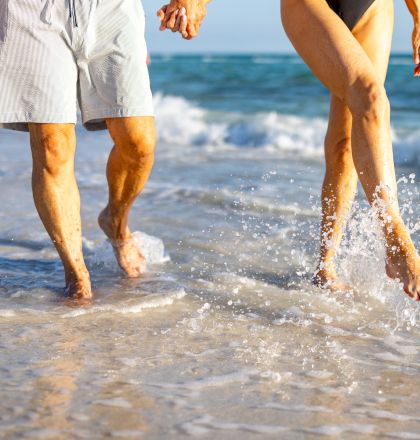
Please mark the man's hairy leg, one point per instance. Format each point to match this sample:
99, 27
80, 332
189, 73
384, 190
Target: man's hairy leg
57, 200
128, 169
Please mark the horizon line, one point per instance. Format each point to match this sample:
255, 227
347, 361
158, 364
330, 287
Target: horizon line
225, 53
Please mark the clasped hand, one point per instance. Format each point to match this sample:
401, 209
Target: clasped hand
183, 16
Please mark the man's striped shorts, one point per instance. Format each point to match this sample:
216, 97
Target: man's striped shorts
56, 55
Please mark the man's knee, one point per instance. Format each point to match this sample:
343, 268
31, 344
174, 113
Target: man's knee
53, 150
136, 141
367, 99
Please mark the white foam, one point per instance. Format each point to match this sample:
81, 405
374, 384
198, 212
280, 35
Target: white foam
116, 402
268, 130
386, 415
296, 408
338, 430
211, 381
361, 264
319, 374
407, 312
148, 302
205, 424
151, 247
10, 313
7, 313
234, 199
404, 435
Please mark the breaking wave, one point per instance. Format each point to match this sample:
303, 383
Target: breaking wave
182, 123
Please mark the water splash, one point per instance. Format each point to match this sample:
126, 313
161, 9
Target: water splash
151, 247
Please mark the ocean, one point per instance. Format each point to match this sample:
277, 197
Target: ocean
224, 336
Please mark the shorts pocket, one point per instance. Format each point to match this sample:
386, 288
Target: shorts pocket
4, 19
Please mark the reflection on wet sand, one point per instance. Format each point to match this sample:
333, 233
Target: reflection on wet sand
64, 400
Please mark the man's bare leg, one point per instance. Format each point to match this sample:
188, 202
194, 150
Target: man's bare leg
57, 199
340, 181
128, 169
338, 60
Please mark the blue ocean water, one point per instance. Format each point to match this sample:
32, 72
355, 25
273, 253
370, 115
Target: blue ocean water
237, 88
270, 82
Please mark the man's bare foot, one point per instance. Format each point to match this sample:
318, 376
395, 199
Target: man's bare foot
79, 289
125, 248
328, 279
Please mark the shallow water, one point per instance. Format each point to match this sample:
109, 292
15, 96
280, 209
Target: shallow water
224, 336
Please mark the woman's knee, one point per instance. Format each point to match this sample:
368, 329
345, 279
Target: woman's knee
367, 99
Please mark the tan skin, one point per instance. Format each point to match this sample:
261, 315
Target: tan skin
352, 65
340, 182
57, 199
55, 190
358, 142
183, 16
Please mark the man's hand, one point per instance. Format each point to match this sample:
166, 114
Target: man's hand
178, 21
184, 16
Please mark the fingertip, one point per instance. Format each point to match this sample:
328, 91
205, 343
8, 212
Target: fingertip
192, 31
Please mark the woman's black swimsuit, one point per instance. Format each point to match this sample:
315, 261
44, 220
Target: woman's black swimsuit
350, 11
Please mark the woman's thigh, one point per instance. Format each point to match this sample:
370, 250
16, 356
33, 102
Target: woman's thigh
369, 32
374, 34
330, 49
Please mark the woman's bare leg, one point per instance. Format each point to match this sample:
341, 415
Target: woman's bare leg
57, 199
338, 190
338, 60
340, 181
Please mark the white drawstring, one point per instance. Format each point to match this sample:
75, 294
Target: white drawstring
72, 8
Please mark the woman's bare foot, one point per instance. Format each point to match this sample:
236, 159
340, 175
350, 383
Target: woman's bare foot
126, 251
328, 279
403, 263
